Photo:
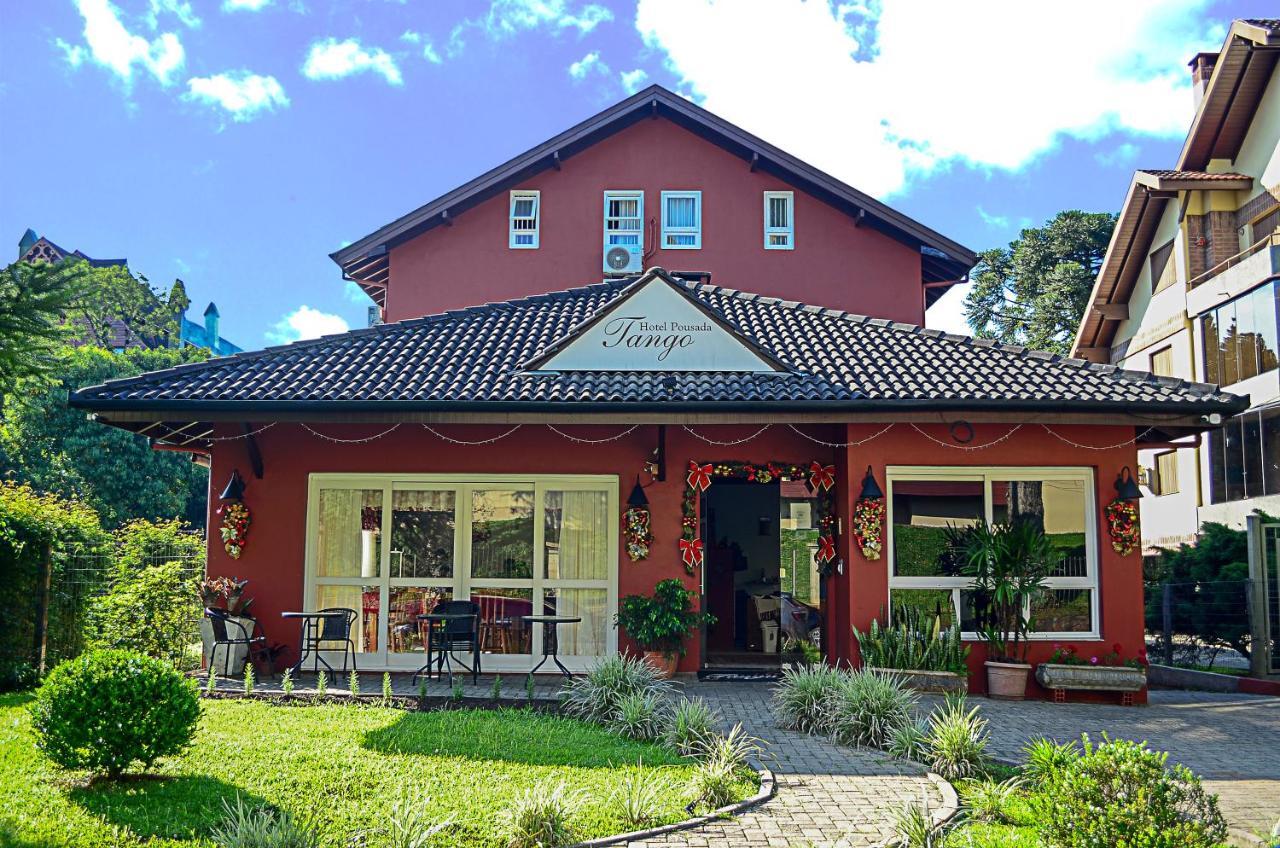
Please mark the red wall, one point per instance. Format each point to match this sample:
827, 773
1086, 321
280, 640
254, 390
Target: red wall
834, 264
273, 558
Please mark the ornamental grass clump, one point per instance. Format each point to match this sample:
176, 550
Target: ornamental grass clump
411, 825
596, 695
957, 744
800, 697
908, 741
989, 800
867, 707
106, 710
540, 817
1123, 793
1045, 758
639, 715
248, 826
690, 725
638, 797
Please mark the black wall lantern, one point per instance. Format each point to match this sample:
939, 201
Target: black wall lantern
870, 488
637, 497
1126, 486
235, 488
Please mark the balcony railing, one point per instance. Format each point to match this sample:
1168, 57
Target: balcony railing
1264, 243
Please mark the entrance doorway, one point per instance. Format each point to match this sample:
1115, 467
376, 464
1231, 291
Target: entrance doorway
760, 577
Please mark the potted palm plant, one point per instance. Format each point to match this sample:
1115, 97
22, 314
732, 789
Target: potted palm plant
1009, 564
660, 624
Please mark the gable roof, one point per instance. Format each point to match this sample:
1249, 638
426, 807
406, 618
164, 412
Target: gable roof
1223, 116
472, 360
366, 260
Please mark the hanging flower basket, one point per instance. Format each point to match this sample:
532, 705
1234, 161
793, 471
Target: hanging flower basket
868, 526
1122, 526
635, 528
235, 528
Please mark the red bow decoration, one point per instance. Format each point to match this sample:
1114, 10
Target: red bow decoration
822, 476
826, 549
691, 552
699, 476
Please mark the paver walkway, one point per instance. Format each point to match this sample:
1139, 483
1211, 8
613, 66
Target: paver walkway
1231, 740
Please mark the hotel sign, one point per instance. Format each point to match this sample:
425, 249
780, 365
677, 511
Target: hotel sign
656, 328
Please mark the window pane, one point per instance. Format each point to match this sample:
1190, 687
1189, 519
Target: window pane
584, 639
1062, 611
1264, 316
1055, 506
1212, 358
1217, 466
523, 207
679, 239
1271, 451
576, 535
502, 534
1162, 362
349, 532
405, 632
798, 531
1230, 343
930, 603
922, 512
779, 212
682, 212
502, 628
422, 524
1233, 459
1246, 338
364, 601
779, 238
1252, 449
1167, 473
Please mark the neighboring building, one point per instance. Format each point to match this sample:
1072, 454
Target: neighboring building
538, 364
37, 248
1189, 289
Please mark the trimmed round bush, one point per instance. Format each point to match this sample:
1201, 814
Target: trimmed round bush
106, 710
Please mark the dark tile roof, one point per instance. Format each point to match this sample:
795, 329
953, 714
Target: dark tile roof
1195, 175
473, 359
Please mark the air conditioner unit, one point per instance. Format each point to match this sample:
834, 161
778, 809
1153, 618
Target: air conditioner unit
623, 259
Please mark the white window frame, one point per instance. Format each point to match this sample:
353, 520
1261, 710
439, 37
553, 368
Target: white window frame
623, 194
695, 230
986, 475
512, 232
462, 582
788, 231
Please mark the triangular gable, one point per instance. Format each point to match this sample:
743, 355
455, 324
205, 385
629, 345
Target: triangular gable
655, 326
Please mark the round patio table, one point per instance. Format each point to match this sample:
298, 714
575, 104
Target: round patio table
310, 621
549, 641
446, 659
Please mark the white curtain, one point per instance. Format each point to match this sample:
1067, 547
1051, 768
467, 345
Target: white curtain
348, 535
577, 535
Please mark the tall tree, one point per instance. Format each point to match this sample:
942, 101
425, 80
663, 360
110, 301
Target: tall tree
33, 300
57, 449
1035, 291
112, 294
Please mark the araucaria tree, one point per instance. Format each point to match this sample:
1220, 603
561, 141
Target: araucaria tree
33, 301
1034, 291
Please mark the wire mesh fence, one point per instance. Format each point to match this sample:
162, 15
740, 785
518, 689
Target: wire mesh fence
1199, 623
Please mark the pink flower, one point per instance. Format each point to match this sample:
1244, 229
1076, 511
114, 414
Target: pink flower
1093, 660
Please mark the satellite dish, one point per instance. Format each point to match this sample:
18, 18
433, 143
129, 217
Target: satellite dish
618, 258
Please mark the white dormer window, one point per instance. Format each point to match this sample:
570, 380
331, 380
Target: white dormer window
682, 220
523, 232
779, 220
624, 218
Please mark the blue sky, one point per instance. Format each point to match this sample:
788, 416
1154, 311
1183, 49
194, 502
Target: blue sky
235, 143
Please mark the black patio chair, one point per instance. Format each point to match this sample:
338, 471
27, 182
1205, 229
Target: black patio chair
333, 630
227, 632
458, 633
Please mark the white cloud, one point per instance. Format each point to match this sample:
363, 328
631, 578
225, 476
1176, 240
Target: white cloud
333, 59
305, 323
588, 63
1125, 153
111, 45
428, 49
1000, 222
353, 293
241, 93
181, 9
244, 5
632, 80
508, 18
877, 98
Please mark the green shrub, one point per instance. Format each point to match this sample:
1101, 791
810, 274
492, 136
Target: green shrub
867, 707
913, 643
736, 749
106, 710
908, 741
154, 612
640, 715
690, 724
246, 826
1045, 758
988, 800
141, 543
721, 762
800, 697
596, 695
957, 743
1122, 793
661, 622
540, 817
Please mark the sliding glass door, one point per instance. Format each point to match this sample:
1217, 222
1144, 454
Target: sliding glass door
393, 548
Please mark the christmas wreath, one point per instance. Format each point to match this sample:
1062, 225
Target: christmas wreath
635, 528
1122, 526
235, 528
868, 526
821, 479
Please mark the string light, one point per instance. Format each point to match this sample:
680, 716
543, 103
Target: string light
994, 442
1062, 438
581, 441
172, 432
464, 442
729, 444
858, 443
338, 441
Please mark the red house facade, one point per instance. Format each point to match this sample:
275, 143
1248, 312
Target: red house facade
539, 364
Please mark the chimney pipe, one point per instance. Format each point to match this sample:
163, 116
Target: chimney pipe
1201, 70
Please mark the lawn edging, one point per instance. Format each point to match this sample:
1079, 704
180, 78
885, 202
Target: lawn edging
943, 814
768, 789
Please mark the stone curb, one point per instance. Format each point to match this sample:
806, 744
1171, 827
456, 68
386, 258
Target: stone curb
1245, 839
768, 788
942, 815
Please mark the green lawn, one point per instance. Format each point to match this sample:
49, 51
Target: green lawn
343, 767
